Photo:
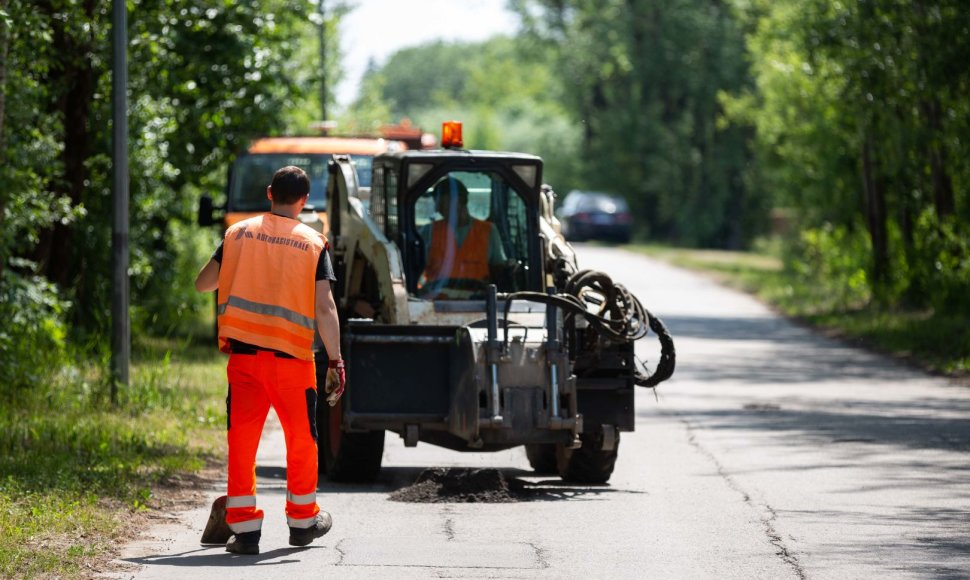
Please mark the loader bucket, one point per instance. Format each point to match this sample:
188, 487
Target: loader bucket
217, 531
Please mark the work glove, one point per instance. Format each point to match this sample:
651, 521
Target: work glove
336, 381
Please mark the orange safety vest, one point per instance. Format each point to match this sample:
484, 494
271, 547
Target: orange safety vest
267, 284
469, 261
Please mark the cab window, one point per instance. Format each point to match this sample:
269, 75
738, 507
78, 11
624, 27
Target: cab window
471, 230
253, 173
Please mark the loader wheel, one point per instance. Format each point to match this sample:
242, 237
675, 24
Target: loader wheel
346, 457
589, 463
542, 458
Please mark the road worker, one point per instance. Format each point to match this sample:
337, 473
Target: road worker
461, 251
273, 276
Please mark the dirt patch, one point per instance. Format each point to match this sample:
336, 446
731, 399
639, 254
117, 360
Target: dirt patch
175, 494
459, 485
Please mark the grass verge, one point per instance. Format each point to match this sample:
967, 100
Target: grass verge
936, 341
77, 470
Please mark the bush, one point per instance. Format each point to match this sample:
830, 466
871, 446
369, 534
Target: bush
941, 269
32, 338
831, 260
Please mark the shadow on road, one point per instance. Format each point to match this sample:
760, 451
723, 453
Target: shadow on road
905, 424
217, 556
523, 484
936, 551
772, 350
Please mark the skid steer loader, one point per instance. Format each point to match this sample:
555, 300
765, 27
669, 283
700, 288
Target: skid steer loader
518, 348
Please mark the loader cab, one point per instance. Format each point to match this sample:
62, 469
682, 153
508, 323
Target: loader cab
461, 219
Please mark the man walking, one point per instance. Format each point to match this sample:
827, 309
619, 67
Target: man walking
273, 275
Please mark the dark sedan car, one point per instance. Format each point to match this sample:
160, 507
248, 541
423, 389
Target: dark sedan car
590, 215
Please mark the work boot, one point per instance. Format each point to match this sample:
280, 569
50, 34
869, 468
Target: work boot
303, 536
244, 543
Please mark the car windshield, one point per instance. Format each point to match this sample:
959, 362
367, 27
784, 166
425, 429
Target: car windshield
253, 173
472, 230
602, 203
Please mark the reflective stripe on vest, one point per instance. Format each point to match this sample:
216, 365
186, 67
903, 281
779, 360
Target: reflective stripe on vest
267, 285
269, 309
470, 260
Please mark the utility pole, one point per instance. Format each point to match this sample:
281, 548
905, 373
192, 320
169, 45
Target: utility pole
323, 61
120, 322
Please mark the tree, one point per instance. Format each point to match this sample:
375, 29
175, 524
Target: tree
504, 90
203, 79
859, 109
644, 79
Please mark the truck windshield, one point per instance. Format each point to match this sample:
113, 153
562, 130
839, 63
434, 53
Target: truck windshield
472, 230
253, 173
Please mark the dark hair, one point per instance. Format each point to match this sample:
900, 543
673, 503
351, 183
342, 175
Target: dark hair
449, 186
289, 185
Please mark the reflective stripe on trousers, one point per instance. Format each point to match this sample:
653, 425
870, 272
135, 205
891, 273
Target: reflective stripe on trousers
242, 515
297, 504
257, 381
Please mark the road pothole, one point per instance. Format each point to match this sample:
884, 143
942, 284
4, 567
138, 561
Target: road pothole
460, 485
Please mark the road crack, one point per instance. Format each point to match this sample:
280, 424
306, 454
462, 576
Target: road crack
767, 514
542, 558
449, 524
340, 553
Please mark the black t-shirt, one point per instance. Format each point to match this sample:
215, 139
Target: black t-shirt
324, 265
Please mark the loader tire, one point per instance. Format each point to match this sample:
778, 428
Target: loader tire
542, 458
589, 463
346, 457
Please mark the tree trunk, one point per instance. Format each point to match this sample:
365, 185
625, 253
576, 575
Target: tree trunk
4, 186
875, 213
943, 197
76, 81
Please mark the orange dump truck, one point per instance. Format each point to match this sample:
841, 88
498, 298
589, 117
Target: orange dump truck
253, 171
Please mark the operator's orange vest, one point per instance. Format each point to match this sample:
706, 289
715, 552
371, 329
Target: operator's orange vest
267, 284
470, 260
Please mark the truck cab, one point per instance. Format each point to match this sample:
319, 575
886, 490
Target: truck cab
253, 170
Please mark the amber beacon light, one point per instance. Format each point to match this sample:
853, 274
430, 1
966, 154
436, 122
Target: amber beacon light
451, 134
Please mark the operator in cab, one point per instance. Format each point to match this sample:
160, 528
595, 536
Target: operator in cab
462, 253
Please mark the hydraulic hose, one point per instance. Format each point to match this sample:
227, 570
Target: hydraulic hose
621, 316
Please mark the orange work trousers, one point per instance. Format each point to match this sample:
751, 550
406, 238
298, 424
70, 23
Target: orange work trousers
257, 381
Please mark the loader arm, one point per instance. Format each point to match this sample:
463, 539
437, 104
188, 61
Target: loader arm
370, 278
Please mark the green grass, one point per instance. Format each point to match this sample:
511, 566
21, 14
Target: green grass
75, 467
936, 341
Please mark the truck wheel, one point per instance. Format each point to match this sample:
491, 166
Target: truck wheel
346, 457
589, 463
542, 458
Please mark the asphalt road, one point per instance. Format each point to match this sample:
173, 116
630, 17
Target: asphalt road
772, 453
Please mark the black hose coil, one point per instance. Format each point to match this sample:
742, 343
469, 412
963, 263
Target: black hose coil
627, 319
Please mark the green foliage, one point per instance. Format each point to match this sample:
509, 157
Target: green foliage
859, 110
31, 522
943, 272
306, 107
643, 80
434, 74
831, 260
370, 111
206, 82
203, 79
32, 338
504, 91
74, 466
